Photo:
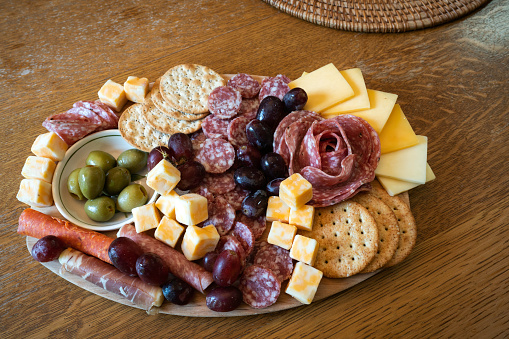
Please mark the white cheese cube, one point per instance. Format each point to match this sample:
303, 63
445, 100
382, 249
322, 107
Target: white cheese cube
304, 283
39, 168
113, 95
49, 145
277, 210
136, 89
304, 249
199, 241
295, 191
302, 217
281, 234
163, 178
35, 192
191, 209
166, 204
168, 231
146, 217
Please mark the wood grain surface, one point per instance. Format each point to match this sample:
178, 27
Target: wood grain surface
452, 86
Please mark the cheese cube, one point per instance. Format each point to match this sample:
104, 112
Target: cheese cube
35, 192
302, 217
49, 145
304, 283
397, 132
146, 217
304, 249
395, 187
38, 168
295, 191
168, 231
381, 107
113, 95
360, 100
277, 210
199, 241
136, 89
191, 209
325, 87
166, 204
281, 234
163, 178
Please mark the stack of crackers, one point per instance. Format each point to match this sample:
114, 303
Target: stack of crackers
363, 234
177, 103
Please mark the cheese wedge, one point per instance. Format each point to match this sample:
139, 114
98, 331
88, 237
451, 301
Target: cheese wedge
360, 99
395, 187
407, 164
382, 104
325, 87
397, 132
191, 209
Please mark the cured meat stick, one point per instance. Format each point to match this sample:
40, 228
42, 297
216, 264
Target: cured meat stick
36, 224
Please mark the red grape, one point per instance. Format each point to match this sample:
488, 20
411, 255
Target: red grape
260, 135
273, 186
295, 99
249, 156
224, 299
273, 165
249, 178
255, 204
123, 253
191, 175
177, 291
181, 148
151, 269
226, 268
48, 248
271, 111
157, 154
208, 261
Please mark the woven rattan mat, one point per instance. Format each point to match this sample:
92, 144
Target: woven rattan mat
380, 16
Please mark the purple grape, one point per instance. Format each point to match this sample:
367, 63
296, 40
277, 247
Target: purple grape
273, 165
226, 268
156, 155
259, 135
208, 261
249, 178
295, 99
181, 148
48, 248
271, 111
191, 175
255, 204
273, 186
123, 253
224, 299
151, 269
248, 156
177, 292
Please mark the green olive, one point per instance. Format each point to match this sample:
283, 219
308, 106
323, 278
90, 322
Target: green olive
101, 159
73, 185
100, 209
117, 179
133, 159
134, 195
91, 181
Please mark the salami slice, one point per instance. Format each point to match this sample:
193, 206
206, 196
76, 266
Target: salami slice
213, 127
237, 131
216, 155
275, 87
102, 110
259, 286
219, 183
204, 192
74, 124
245, 84
275, 258
257, 225
221, 215
224, 102
249, 107
246, 237
230, 242
197, 139
235, 197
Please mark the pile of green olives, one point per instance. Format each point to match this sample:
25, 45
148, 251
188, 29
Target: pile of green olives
106, 183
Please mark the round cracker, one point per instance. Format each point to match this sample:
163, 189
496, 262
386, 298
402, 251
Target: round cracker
388, 230
187, 87
406, 223
137, 132
347, 236
166, 124
167, 109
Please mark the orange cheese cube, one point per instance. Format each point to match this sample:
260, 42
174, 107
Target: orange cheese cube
35, 192
304, 283
277, 210
49, 145
168, 231
281, 234
199, 241
136, 89
163, 178
295, 191
113, 95
166, 204
302, 217
146, 217
304, 249
191, 209
39, 168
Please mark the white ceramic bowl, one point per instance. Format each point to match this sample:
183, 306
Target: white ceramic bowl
74, 210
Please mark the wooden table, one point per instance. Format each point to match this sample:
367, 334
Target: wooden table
452, 85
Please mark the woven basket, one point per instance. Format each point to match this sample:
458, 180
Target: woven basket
377, 16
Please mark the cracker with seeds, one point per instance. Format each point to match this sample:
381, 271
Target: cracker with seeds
137, 132
167, 109
388, 230
163, 123
406, 223
187, 87
348, 238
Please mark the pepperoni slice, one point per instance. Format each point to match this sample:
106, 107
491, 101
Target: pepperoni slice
275, 258
219, 183
221, 215
259, 286
224, 102
216, 155
245, 84
237, 131
213, 127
